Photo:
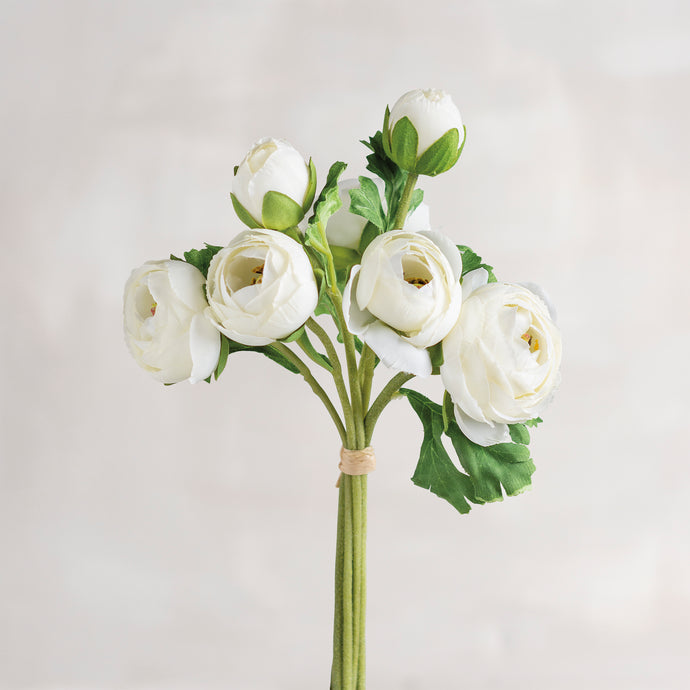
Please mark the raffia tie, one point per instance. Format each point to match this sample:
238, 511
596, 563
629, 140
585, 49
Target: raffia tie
355, 462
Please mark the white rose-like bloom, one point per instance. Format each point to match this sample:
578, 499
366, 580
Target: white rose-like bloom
431, 111
165, 327
404, 297
501, 360
260, 287
344, 229
272, 165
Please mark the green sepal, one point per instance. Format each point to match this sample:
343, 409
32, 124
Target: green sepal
175, 258
404, 142
369, 233
234, 170
386, 138
293, 233
223, 357
279, 211
365, 201
472, 261
436, 354
201, 258
491, 471
440, 156
243, 214
311, 188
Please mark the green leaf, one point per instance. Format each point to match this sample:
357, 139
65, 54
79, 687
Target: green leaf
491, 470
404, 144
435, 470
533, 422
201, 258
279, 211
311, 188
264, 350
345, 258
416, 199
448, 410
436, 354
365, 201
243, 214
175, 258
313, 352
440, 156
295, 335
223, 357
369, 233
471, 261
519, 433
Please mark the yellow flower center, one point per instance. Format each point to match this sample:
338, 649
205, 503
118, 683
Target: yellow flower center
531, 340
258, 272
417, 282
153, 308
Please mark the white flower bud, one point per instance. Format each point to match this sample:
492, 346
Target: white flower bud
273, 167
165, 327
260, 288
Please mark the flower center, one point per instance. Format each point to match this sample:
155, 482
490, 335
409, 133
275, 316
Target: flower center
258, 272
416, 272
531, 340
153, 308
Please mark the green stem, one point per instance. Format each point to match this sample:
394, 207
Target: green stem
383, 398
349, 661
367, 363
404, 205
337, 372
315, 386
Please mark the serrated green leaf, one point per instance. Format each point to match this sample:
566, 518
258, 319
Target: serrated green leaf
435, 470
404, 144
504, 466
223, 357
471, 261
243, 214
175, 258
365, 201
201, 258
519, 433
491, 470
279, 211
533, 422
440, 156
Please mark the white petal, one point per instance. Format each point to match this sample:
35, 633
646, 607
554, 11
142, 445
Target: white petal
395, 352
481, 434
187, 282
472, 281
204, 345
450, 250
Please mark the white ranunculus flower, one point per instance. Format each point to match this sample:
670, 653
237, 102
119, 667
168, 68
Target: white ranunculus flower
404, 297
431, 111
501, 360
260, 287
344, 229
274, 165
165, 327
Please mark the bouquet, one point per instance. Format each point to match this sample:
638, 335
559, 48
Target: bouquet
400, 296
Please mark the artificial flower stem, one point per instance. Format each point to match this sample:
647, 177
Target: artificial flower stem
337, 372
383, 398
349, 665
314, 384
405, 199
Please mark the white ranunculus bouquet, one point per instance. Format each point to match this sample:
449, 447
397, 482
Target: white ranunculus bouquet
398, 295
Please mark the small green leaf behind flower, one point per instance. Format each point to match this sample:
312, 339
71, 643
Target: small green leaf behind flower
490, 471
471, 261
229, 347
200, 258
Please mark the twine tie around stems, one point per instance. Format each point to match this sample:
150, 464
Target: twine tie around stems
356, 462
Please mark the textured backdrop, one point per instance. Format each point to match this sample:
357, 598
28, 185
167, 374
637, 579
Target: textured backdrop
183, 538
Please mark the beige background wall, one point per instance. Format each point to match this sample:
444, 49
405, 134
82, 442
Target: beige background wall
183, 537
